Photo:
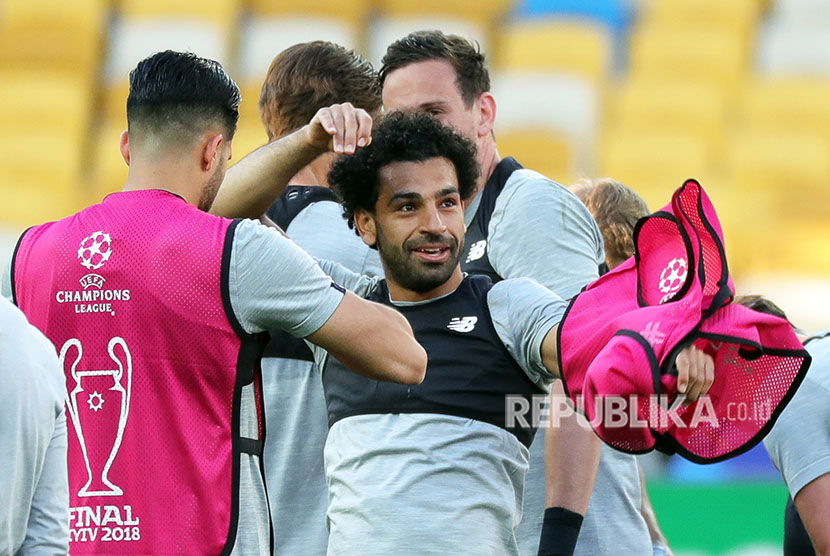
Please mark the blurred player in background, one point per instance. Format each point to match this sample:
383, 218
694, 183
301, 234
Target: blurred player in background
33, 516
301, 80
159, 309
616, 208
519, 224
799, 445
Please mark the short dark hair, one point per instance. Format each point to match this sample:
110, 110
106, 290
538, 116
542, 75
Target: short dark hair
309, 76
465, 57
401, 137
181, 94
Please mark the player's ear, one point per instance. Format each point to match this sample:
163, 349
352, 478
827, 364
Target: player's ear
124, 145
212, 151
486, 105
364, 221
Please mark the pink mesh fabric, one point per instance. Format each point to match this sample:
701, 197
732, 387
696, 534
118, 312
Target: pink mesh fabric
151, 364
620, 336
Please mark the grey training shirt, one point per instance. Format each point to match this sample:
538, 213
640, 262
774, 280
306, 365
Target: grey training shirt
799, 443
431, 484
541, 230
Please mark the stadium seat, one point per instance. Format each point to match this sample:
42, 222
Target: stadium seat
41, 158
274, 25
582, 48
353, 10
794, 168
689, 54
249, 136
654, 164
645, 105
109, 171
386, 30
560, 103
262, 38
45, 101
133, 40
473, 10
249, 107
397, 18
25, 207
221, 12
736, 16
548, 152
787, 105
62, 37
800, 12
614, 14
790, 49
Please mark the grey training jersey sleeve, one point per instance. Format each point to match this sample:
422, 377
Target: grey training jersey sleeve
799, 443
541, 230
523, 312
276, 285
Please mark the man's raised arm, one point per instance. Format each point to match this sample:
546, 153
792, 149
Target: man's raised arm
255, 182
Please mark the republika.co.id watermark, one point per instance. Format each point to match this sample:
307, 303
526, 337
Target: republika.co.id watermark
629, 412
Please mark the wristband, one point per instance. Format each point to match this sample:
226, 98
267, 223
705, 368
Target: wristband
560, 530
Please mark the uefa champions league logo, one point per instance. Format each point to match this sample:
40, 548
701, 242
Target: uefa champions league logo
95, 250
673, 277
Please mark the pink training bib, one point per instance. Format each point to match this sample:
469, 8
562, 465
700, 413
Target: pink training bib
133, 293
619, 339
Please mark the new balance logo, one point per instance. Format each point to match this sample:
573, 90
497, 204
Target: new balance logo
462, 324
477, 250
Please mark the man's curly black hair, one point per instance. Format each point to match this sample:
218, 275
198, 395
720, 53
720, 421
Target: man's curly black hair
401, 137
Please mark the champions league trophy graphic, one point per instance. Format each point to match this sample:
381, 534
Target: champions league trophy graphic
99, 404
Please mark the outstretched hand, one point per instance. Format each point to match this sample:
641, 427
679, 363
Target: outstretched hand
340, 128
695, 373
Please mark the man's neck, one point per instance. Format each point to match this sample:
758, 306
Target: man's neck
166, 179
488, 159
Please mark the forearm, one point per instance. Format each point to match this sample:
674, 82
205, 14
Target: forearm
811, 503
572, 457
373, 341
255, 182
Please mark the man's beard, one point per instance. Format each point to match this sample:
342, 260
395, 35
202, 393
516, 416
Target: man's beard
210, 189
403, 267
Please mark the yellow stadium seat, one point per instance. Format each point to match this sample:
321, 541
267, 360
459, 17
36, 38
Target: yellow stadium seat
545, 151
473, 10
43, 159
577, 47
249, 107
689, 54
249, 136
23, 207
109, 171
646, 105
387, 29
738, 16
794, 168
354, 10
654, 164
59, 36
46, 101
219, 11
787, 105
